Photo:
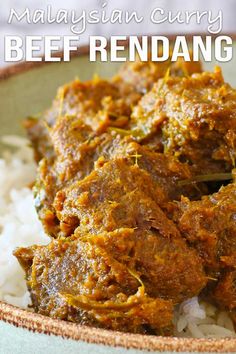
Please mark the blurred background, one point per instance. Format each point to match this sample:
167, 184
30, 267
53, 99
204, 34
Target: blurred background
143, 7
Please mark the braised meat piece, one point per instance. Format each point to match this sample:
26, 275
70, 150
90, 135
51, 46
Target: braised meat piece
163, 170
52, 177
101, 103
97, 103
142, 75
106, 280
113, 196
121, 239
118, 196
209, 226
166, 171
195, 119
92, 280
77, 148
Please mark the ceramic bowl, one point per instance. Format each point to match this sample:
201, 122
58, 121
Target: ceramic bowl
27, 89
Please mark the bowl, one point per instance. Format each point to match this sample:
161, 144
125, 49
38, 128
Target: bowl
26, 89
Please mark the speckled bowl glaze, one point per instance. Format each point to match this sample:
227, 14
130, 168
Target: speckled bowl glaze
27, 89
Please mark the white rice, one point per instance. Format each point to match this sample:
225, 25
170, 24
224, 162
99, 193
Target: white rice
202, 320
19, 226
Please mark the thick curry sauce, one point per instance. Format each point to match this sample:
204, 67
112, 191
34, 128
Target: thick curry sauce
129, 239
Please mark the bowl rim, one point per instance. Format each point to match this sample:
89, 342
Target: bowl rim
45, 325
42, 324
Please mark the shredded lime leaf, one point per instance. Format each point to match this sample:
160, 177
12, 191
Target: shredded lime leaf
206, 178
